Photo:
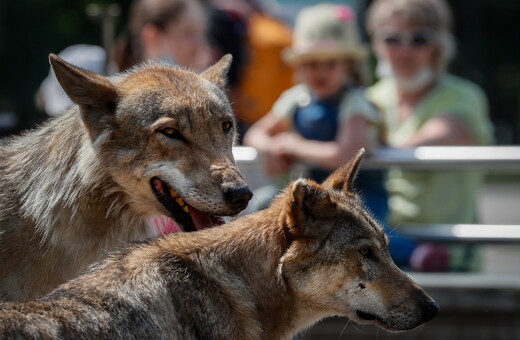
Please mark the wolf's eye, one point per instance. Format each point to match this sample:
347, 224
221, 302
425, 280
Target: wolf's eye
227, 126
366, 251
172, 133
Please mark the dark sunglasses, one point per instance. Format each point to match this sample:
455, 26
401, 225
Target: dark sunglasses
418, 38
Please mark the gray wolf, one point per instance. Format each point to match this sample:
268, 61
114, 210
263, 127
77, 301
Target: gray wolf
156, 141
315, 252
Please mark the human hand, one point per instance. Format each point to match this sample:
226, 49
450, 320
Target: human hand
276, 164
275, 159
288, 144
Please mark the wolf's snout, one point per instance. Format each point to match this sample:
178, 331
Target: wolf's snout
238, 199
430, 310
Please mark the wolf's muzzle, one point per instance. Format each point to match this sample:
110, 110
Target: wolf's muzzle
237, 199
430, 310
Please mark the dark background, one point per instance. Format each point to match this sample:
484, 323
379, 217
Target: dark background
487, 31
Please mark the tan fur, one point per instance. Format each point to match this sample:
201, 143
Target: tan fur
80, 185
264, 276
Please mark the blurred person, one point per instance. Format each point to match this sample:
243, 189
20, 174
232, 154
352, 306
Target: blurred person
228, 24
173, 31
265, 74
255, 37
51, 98
422, 104
227, 33
325, 119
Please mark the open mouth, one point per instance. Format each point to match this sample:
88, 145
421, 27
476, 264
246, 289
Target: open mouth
185, 216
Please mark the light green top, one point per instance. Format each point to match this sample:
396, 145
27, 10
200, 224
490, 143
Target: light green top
440, 196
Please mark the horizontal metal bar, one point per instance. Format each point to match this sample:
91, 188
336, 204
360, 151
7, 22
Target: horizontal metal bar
467, 281
481, 158
461, 233
491, 158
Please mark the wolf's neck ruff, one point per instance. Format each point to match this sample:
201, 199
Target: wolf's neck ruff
66, 176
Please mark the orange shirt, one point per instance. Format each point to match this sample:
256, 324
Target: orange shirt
266, 75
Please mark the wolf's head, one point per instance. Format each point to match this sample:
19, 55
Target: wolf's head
165, 135
337, 262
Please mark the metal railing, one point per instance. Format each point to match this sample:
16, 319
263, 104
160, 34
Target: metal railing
462, 233
492, 159
487, 158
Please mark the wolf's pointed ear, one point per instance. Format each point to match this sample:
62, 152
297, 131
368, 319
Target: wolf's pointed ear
343, 178
96, 96
217, 74
306, 202
83, 87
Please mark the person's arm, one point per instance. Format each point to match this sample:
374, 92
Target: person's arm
352, 135
261, 136
261, 133
441, 131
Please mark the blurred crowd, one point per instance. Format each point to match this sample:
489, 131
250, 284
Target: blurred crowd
303, 93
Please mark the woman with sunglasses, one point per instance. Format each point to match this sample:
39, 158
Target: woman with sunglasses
424, 105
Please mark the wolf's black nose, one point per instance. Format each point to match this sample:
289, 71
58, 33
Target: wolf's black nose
430, 310
237, 199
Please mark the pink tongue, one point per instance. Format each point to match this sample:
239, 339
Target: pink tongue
201, 220
165, 225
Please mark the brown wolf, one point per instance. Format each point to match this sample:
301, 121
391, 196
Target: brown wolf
315, 252
151, 142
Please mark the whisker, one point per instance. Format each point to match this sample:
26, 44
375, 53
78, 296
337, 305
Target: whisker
391, 231
359, 329
344, 328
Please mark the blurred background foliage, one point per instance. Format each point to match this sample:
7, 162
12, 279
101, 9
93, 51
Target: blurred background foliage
29, 31
487, 31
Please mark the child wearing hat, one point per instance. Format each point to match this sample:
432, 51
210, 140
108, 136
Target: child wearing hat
325, 119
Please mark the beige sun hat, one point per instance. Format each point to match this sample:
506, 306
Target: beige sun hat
323, 31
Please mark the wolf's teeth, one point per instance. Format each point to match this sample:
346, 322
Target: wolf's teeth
186, 209
180, 202
173, 193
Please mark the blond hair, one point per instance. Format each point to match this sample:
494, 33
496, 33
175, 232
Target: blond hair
434, 14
